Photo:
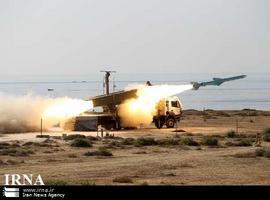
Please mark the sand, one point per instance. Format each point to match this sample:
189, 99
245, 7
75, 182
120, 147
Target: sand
60, 163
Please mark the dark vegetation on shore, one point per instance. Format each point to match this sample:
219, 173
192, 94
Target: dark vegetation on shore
101, 146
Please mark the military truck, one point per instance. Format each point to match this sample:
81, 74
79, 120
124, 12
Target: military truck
169, 111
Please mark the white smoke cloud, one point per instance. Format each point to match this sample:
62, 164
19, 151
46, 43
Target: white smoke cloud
23, 113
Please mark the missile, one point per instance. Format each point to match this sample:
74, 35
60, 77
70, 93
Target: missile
215, 81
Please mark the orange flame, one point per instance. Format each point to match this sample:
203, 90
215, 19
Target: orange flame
142, 109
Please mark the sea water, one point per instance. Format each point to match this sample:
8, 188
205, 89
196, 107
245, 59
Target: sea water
252, 92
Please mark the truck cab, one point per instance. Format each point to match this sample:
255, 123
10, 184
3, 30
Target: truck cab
169, 111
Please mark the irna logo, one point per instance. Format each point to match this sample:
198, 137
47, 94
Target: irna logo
23, 179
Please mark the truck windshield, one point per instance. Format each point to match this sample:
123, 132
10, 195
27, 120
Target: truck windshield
175, 104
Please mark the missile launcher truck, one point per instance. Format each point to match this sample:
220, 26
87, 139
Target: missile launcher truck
168, 111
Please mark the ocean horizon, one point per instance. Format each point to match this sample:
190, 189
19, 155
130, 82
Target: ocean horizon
253, 92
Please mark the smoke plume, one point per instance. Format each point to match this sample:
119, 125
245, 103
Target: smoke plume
141, 110
23, 113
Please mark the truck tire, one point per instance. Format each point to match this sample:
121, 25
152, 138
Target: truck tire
159, 123
170, 123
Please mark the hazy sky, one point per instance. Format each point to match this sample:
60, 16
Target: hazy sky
66, 37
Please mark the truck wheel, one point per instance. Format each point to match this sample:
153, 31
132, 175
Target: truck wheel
159, 123
170, 123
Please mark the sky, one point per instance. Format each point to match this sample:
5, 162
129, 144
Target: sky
79, 37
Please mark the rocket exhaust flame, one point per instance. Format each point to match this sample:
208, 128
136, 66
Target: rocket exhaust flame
141, 110
66, 108
23, 113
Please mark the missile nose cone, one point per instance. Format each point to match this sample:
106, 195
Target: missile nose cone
195, 85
